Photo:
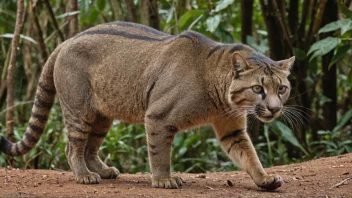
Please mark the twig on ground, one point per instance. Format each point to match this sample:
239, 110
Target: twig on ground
340, 183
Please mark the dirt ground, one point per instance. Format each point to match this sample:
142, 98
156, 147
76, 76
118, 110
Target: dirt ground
326, 177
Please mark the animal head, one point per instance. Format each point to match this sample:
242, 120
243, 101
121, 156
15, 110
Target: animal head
259, 84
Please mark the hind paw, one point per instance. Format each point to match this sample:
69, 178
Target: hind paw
109, 173
91, 178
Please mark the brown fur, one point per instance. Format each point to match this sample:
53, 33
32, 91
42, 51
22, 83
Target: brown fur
170, 83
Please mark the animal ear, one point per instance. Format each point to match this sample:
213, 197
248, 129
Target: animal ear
239, 62
287, 63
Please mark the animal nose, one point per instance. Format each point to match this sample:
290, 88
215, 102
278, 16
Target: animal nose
273, 110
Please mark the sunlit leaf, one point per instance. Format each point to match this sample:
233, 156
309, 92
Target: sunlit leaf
323, 47
344, 25
223, 4
213, 23
8, 35
67, 14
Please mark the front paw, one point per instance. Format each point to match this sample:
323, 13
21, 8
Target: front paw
174, 182
91, 178
270, 182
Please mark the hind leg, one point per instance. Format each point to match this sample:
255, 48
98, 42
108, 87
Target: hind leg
96, 138
77, 132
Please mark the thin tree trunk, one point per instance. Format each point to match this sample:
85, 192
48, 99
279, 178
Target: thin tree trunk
29, 71
39, 33
132, 10
53, 20
149, 14
246, 23
329, 74
73, 25
11, 72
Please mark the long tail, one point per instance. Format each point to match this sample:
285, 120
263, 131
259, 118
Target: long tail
44, 99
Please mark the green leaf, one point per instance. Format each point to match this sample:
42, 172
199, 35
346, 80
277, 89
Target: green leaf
8, 35
345, 25
288, 135
187, 17
223, 4
345, 10
331, 27
340, 53
323, 47
101, 4
299, 53
213, 23
67, 14
84, 6
343, 120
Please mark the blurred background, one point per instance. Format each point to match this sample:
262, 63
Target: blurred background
318, 32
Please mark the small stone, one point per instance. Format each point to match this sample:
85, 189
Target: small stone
201, 176
229, 182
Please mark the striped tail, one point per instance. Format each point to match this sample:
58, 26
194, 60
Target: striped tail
44, 99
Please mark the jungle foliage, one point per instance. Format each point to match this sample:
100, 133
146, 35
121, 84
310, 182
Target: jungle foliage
318, 116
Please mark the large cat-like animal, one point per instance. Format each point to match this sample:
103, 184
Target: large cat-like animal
130, 72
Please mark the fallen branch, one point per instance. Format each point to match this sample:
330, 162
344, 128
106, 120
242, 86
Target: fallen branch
340, 183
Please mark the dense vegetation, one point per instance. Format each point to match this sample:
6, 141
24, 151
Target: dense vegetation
317, 32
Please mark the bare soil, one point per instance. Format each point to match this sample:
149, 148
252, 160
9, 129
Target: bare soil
317, 178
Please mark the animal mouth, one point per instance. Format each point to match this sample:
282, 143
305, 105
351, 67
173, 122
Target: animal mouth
266, 119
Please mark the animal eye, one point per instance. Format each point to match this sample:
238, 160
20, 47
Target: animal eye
282, 89
257, 89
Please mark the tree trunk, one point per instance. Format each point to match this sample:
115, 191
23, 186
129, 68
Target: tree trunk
275, 37
329, 75
149, 14
11, 72
73, 25
39, 33
246, 23
132, 10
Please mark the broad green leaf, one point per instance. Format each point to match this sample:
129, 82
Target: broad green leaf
331, 27
223, 4
340, 53
67, 14
300, 54
323, 47
213, 23
343, 120
188, 16
345, 10
21, 36
345, 25
288, 135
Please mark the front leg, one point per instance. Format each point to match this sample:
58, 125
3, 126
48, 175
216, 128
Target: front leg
235, 141
160, 138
